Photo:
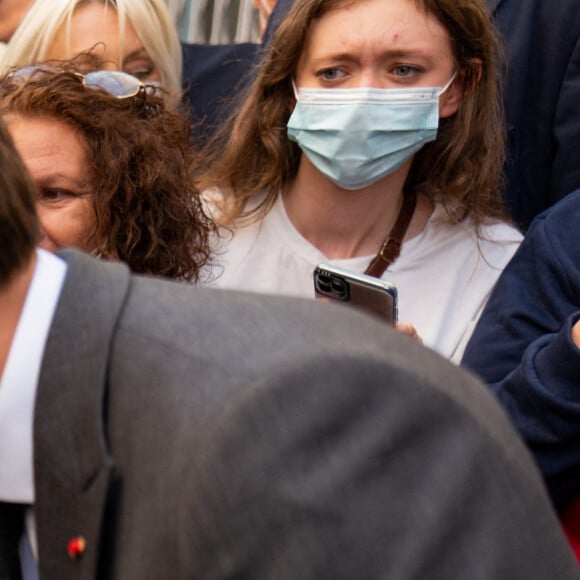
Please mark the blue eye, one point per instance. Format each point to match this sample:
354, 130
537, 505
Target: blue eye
404, 70
330, 74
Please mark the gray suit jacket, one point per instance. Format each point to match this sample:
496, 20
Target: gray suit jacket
190, 433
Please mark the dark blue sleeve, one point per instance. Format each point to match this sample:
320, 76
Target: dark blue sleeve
523, 350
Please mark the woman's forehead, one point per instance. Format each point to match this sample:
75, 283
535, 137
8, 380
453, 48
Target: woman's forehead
94, 25
376, 25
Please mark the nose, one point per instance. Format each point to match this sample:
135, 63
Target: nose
372, 78
109, 66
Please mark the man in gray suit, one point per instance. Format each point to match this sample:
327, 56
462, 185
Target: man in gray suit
183, 433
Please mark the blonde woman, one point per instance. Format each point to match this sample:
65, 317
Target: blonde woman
136, 36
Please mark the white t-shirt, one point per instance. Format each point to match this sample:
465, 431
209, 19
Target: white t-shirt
443, 276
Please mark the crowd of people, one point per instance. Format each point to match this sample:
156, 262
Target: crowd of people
427, 143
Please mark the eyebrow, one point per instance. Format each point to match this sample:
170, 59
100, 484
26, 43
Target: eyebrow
387, 54
137, 53
58, 179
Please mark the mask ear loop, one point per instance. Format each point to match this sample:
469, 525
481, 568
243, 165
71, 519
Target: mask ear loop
295, 90
448, 84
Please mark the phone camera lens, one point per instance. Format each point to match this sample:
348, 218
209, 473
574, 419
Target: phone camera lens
324, 283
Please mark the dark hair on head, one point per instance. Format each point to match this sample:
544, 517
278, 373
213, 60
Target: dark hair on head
148, 212
18, 220
461, 169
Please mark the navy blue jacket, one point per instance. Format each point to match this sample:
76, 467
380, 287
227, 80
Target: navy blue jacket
522, 344
542, 101
214, 78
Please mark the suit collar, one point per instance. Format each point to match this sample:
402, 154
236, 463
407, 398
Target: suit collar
72, 462
493, 5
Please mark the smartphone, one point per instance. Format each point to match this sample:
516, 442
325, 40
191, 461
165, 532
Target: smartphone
366, 292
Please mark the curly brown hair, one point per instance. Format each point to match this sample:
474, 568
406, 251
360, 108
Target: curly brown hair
461, 169
148, 212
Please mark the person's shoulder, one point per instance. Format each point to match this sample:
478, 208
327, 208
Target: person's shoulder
557, 227
81, 266
565, 212
558, 222
252, 335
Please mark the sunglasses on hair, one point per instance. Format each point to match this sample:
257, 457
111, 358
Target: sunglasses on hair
116, 83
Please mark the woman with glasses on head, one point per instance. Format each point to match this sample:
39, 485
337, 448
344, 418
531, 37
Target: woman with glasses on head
113, 167
371, 121
136, 36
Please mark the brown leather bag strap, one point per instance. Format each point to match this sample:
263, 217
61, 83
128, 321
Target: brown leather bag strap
391, 247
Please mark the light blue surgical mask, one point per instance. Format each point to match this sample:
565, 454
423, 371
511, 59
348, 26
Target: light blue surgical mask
358, 136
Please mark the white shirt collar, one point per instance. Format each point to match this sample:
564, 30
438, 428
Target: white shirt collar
19, 380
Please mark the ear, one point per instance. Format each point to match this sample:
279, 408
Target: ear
466, 80
450, 100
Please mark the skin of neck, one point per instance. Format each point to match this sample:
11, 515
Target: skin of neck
345, 224
12, 298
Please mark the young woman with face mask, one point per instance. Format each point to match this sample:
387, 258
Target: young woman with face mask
368, 122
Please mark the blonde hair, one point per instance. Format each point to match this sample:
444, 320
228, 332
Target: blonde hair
150, 18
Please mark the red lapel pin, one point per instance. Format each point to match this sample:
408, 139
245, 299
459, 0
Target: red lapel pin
76, 547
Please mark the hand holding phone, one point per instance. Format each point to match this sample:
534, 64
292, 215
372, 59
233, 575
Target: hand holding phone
365, 292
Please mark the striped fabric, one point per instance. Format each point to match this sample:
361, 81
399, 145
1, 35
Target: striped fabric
215, 21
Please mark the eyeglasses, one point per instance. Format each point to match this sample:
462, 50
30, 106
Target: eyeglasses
116, 83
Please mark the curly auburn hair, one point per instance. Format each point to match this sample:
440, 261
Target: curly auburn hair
148, 211
461, 169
